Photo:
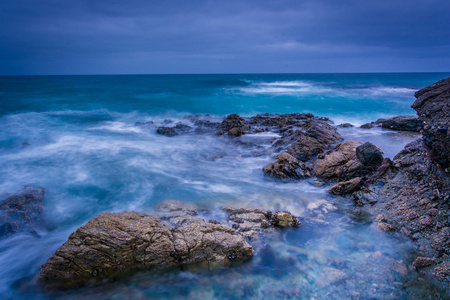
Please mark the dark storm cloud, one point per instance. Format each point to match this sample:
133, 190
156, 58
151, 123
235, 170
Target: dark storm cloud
78, 36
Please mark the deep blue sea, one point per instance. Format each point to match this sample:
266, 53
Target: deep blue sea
75, 136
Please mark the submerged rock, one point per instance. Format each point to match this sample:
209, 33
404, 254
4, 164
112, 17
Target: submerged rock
167, 131
252, 222
18, 212
284, 219
287, 167
176, 207
330, 276
116, 243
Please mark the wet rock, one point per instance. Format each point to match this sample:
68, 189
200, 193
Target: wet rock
236, 131
367, 126
403, 123
319, 183
422, 262
284, 219
167, 131
346, 125
426, 221
252, 222
386, 165
287, 167
369, 154
341, 163
116, 243
376, 123
386, 227
411, 192
433, 108
317, 137
232, 121
182, 127
346, 187
442, 272
21, 211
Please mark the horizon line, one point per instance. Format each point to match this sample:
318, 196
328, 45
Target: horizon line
256, 73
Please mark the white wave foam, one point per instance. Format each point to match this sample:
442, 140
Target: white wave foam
297, 87
283, 88
115, 126
388, 90
286, 84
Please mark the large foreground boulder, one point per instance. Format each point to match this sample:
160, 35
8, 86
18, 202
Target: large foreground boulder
433, 107
116, 243
18, 212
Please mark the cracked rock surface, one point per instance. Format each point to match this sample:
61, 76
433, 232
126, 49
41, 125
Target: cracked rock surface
112, 244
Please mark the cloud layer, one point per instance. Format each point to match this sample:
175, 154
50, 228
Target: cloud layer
137, 36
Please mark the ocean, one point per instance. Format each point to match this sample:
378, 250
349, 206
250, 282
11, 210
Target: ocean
76, 137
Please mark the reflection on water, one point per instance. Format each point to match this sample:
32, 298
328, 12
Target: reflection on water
107, 164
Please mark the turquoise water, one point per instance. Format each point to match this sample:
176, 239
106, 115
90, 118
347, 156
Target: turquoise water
75, 136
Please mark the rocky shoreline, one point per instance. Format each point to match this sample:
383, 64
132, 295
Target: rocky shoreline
408, 194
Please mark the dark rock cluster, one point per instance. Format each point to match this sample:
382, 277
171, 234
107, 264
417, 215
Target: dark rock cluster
398, 123
433, 107
21, 211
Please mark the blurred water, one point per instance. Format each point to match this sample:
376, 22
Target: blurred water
75, 136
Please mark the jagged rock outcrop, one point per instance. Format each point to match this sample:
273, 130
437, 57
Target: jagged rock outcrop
398, 123
403, 123
287, 167
20, 211
346, 187
412, 192
116, 243
413, 195
233, 125
342, 163
317, 137
433, 108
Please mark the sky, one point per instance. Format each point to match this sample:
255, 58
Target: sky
233, 36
